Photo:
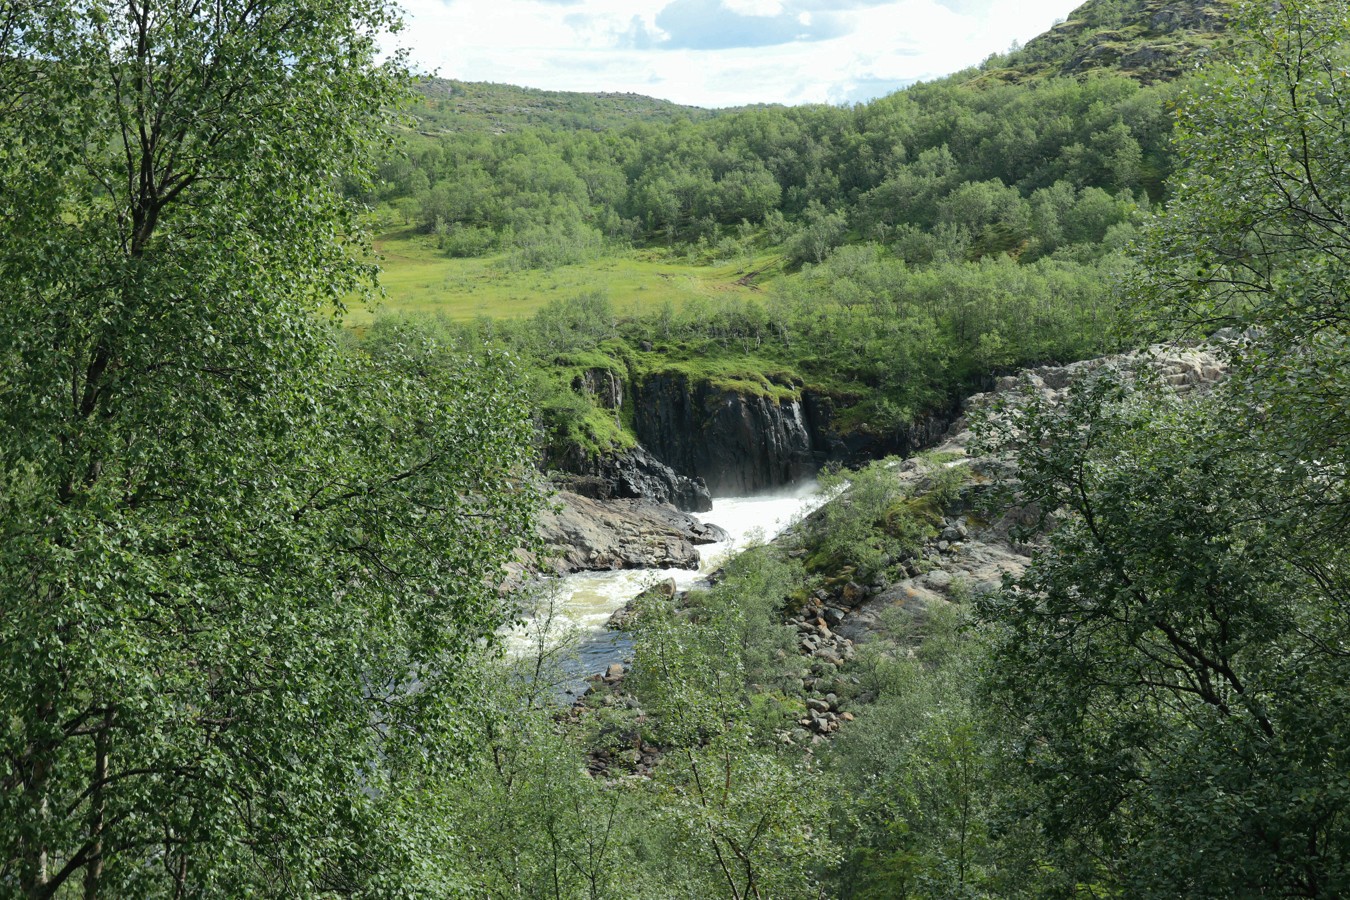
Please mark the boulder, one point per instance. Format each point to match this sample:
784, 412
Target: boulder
586, 535
624, 616
632, 475
829, 655
853, 594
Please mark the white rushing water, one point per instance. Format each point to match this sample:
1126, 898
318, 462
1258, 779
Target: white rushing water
585, 601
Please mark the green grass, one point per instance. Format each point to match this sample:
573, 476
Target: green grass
419, 278
736, 373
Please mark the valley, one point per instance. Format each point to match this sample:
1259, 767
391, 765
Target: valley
413, 487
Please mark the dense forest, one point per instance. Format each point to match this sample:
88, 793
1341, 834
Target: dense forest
256, 566
892, 255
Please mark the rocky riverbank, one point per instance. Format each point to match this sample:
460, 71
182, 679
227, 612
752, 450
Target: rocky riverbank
968, 551
589, 535
971, 554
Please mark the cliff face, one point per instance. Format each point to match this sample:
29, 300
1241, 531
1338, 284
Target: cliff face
628, 475
699, 440
738, 443
741, 443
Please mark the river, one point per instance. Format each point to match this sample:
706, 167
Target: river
582, 603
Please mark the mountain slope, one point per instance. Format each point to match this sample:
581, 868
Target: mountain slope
450, 106
1150, 40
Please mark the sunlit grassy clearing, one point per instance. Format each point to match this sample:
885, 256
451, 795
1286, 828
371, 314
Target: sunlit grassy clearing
419, 278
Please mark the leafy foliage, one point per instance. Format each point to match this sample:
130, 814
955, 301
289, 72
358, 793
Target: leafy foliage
239, 558
1172, 659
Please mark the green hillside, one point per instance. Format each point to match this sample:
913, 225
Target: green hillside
1151, 40
447, 105
277, 614
928, 226
500, 182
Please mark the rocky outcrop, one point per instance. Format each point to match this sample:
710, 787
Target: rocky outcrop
967, 558
1180, 368
628, 475
699, 439
970, 555
1188, 15
605, 385
867, 443
635, 475
624, 617
742, 443
1150, 40
587, 535
739, 443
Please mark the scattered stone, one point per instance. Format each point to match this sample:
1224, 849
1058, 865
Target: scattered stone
939, 579
829, 655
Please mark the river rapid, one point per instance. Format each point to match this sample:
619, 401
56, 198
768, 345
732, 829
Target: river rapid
573, 609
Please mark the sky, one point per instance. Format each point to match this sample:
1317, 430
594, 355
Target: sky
714, 53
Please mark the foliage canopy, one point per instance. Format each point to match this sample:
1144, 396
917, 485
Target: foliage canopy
238, 558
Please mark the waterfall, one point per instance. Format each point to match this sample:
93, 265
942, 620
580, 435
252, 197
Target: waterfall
583, 602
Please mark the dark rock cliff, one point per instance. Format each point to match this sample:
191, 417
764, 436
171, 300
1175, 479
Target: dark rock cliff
738, 443
605, 385
632, 475
745, 443
699, 440
627, 475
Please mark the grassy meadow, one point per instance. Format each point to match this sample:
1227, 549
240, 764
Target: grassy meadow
420, 278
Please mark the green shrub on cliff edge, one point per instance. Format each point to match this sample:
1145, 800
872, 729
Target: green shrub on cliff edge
879, 520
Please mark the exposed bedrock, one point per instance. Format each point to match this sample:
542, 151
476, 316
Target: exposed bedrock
971, 552
605, 385
741, 443
738, 443
634, 475
597, 535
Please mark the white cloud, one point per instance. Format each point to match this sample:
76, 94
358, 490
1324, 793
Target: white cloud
763, 51
754, 7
